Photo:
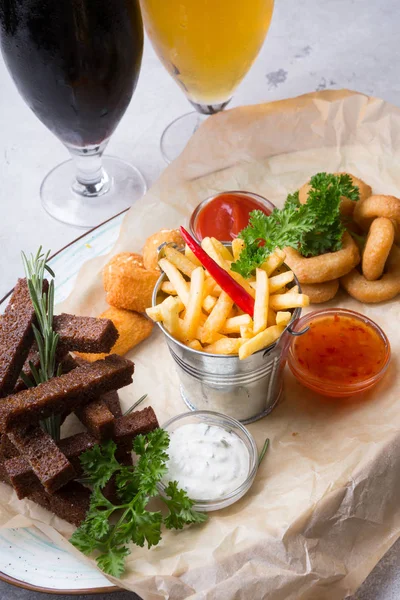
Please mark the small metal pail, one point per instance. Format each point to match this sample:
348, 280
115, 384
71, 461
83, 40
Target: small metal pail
246, 390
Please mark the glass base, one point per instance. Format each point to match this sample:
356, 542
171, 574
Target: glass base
178, 133
62, 199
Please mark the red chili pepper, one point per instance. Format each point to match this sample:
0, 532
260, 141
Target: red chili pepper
234, 290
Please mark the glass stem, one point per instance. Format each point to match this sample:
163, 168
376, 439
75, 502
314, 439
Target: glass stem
91, 179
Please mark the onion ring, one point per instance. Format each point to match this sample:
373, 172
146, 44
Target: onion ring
378, 206
320, 292
383, 289
325, 267
347, 206
378, 245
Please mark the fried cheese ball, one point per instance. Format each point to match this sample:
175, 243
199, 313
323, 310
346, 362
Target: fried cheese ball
132, 328
128, 283
150, 249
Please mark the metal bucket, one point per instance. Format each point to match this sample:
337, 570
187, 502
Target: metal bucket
244, 389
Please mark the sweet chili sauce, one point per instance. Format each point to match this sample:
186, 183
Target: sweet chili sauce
341, 354
225, 215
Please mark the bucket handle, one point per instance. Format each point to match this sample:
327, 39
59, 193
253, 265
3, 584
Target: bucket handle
297, 333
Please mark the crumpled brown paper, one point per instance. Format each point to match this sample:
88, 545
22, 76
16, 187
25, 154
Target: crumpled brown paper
324, 506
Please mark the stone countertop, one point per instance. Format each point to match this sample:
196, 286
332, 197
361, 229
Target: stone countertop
311, 45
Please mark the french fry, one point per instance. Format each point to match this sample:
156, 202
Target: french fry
234, 324
176, 278
155, 312
189, 254
271, 317
274, 260
224, 346
223, 250
208, 287
170, 316
180, 261
283, 318
193, 309
211, 250
294, 290
261, 301
216, 290
261, 340
217, 317
290, 300
209, 302
277, 282
195, 345
237, 247
246, 332
168, 288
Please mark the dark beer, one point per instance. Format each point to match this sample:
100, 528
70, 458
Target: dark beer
75, 62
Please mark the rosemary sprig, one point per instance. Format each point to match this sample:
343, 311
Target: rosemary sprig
46, 339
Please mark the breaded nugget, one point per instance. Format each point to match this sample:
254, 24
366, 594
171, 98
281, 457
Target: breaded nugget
132, 328
127, 283
150, 252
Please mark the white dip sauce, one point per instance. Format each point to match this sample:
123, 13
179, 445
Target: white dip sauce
206, 460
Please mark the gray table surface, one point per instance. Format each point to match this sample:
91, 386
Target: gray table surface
312, 45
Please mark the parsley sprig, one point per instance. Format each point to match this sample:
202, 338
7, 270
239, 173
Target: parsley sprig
109, 528
312, 228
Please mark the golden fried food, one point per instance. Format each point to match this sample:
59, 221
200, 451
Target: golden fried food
150, 249
132, 328
378, 206
128, 283
380, 290
320, 292
378, 245
347, 206
325, 267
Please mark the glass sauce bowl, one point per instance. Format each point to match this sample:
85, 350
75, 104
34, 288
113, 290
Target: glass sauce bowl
338, 352
232, 426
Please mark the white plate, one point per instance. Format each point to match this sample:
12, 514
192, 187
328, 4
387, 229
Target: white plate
27, 557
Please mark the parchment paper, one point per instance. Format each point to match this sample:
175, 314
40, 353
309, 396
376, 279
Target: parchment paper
324, 506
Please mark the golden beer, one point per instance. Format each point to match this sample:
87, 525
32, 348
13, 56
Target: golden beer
207, 45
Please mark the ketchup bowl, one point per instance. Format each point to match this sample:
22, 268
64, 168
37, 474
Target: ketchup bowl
224, 215
343, 353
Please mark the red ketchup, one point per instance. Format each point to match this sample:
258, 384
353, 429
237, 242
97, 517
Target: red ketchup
225, 215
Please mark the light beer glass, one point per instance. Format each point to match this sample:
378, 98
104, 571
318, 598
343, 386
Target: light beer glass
207, 46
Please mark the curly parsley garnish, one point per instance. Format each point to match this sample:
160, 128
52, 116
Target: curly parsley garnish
312, 228
109, 528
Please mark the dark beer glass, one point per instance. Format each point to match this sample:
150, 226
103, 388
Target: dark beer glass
76, 64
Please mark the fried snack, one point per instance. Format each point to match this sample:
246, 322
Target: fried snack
347, 206
16, 336
66, 392
86, 334
328, 266
380, 290
97, 418
132, 328
377, 247
150, 249
320, 292
129, 285
47, 461
378, 206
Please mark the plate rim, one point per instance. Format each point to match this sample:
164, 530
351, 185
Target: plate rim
23, 584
